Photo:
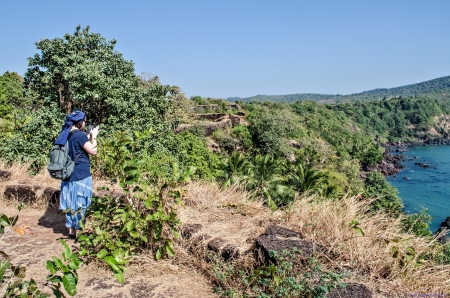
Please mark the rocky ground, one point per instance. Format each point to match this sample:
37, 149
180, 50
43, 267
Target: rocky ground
41, 243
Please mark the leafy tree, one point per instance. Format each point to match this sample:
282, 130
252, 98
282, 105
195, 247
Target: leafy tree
83, 71
10, 92
385, 195
243, 134
268, 132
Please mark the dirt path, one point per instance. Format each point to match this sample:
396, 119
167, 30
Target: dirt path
147, 279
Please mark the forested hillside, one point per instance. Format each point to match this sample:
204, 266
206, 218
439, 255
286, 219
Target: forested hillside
297, 162
437, 88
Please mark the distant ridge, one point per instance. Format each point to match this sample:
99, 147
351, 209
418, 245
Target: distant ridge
437, 88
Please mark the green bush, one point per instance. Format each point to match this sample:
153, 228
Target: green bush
282, 279
418, 223
243, 134
191, 151
385, 195
226, 142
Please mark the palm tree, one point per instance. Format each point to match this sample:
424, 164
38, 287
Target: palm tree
233, 168
265, 178
304, 179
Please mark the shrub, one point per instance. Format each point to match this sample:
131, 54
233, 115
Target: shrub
243, 134
384, 194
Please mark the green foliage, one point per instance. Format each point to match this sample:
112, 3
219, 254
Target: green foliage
243, 134
354, 224
283, 279
198, 100
32, 137
10, 93
395, 119
233, 168
147, 220
64, 271
384, 194
338, 131
437, 88
191, 151
226, 142
418, 223
265, 179
197, 130
269, 133
305, 179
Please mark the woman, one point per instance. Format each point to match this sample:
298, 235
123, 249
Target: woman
76, 191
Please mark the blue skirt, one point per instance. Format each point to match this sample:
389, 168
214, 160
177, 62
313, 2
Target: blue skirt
75, 199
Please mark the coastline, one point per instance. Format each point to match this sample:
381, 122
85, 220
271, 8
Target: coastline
396, 149
392, 161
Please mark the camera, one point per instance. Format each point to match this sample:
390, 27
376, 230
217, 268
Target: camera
90, 127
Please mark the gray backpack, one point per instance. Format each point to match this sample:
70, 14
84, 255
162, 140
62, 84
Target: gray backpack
61, 165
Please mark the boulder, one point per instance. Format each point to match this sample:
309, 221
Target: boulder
52, 196
351, 290
4, 175
190, 229
23, 193
213, 146
444, 228
279, 239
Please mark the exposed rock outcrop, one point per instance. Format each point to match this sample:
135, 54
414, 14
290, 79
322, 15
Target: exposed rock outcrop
218, 121
351, 290
390, 165
4, 175
278, 239
444, 228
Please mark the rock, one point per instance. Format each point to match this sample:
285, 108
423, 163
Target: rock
4, 175
23, 193
444, 228
406, 178
190, 229
216, 244
351, 290
230, 251
281, 231
213, 146
279, 239
52, 196
388, 166
294, 144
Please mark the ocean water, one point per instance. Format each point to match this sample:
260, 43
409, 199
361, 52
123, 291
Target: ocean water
426, 187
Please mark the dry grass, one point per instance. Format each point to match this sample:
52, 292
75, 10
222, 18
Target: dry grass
229, 214
368, 259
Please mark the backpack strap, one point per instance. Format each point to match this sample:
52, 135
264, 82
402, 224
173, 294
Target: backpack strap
70, 135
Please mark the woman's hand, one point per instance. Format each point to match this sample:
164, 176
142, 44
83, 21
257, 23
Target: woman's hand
91, 147
94, 132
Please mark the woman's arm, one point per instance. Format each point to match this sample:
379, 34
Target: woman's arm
91, 147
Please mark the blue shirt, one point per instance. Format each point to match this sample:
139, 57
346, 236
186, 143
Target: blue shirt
82, 169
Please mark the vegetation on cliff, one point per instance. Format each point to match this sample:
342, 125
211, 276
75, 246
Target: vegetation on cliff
282, 156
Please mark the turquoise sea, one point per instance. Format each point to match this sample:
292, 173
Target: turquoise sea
426, 187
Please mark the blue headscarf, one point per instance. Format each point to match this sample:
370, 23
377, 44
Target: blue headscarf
71, 119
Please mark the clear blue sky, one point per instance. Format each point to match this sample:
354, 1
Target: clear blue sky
242, 48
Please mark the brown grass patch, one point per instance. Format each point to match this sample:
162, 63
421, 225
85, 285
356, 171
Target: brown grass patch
231, 215
367, 259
